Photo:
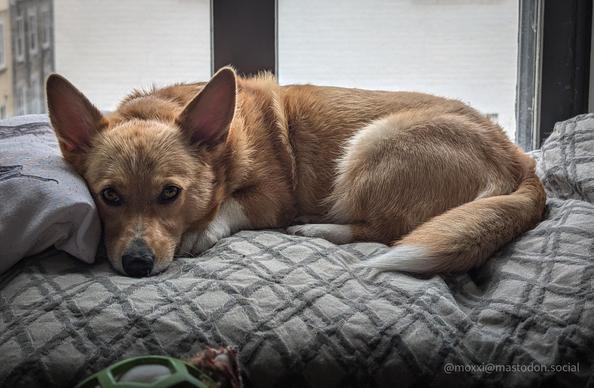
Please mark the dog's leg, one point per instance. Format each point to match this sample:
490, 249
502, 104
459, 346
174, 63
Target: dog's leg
335, 233
229, 219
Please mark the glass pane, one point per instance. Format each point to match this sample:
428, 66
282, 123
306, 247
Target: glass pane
464, 49
105, 47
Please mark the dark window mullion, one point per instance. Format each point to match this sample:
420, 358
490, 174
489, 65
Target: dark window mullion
244, 35
567, 29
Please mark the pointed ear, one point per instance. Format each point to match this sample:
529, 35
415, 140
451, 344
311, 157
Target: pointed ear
206, 119
73, 117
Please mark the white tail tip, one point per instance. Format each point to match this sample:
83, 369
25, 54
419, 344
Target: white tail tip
406, 258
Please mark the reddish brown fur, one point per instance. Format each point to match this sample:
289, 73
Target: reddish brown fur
434, 168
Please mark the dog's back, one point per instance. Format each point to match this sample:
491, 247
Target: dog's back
176, 169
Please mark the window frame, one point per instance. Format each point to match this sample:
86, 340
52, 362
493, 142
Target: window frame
21, 99
528, 82
19, 36
46, 22
566, 52
231, 45
36, 94
48, 66
32, 31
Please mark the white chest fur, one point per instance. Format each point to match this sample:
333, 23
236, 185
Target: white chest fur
229, 219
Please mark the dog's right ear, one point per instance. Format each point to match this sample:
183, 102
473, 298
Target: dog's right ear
206, 119
73, 117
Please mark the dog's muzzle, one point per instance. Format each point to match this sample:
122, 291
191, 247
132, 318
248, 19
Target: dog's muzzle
138, 260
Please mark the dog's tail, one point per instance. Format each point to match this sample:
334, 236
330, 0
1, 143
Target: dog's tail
465, 236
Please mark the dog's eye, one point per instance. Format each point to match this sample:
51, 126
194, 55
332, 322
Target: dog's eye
169, 194
111, 197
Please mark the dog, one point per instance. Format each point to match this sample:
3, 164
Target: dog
174, 170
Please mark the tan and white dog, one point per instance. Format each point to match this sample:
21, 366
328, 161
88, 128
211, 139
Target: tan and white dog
174, 170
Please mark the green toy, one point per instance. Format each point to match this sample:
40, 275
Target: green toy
210, 368
149, 371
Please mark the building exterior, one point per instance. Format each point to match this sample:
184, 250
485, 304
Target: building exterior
31, 25
6, 87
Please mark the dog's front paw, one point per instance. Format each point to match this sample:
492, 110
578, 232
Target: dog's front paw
338, 234
194, 243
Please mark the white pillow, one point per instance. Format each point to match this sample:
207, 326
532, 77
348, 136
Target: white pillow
43, 202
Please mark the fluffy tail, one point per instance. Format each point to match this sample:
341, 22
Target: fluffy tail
465, 236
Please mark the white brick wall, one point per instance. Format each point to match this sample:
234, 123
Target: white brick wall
465, 49
109, 47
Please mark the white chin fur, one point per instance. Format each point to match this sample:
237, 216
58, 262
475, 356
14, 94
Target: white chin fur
406, 258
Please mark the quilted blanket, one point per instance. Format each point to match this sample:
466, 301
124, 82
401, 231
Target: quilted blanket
303, 316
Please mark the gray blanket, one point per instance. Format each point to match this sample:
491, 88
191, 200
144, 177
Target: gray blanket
303, 317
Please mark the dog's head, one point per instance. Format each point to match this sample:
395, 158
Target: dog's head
152, 179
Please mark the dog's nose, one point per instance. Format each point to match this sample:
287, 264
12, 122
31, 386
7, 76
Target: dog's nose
138, 260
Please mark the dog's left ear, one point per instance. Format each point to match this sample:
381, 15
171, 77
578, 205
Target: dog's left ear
206, 119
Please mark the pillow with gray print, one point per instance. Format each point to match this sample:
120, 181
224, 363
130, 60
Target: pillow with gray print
43, 202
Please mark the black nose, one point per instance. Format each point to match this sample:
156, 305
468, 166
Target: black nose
138, 259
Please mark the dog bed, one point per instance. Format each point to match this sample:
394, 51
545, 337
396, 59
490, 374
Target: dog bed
302, 316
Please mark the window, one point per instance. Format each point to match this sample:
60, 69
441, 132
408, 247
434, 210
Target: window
36, 98
46, 28
465, 49
146, 42
48, 67
21, 100
20, 37
460, 49
32, 30
2, 48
